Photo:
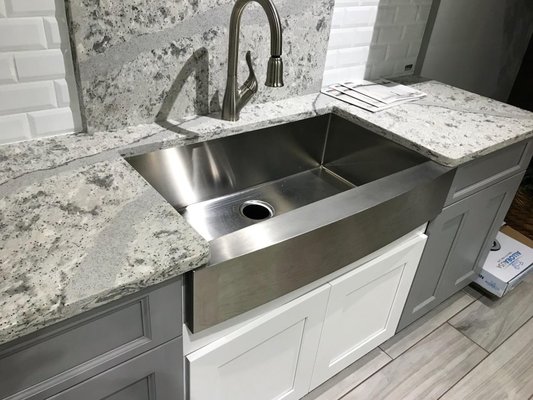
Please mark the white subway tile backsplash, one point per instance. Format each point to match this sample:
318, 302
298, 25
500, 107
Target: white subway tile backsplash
353, 73
7, 69
330, 76
51, 122
331, 59
377, 53
352, 56
383, 70
40, 65
20, 97
422, 2
362, 2
53, 35
397, 51
350, 37
386, 15
337, 20
423, 13
62, 93
348, 3
36, 71
22, 34
14, 128
389, 34
398, 28
21, 8
359, 16
406, 14
344, 74
395, 2
414, 33
414, 49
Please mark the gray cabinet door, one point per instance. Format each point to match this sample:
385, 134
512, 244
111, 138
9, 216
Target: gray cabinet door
459, 241
62, 356
154, 375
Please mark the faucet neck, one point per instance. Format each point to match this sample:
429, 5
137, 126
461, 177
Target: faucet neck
232, 99
234, 31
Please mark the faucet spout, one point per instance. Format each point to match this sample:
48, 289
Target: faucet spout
236, 97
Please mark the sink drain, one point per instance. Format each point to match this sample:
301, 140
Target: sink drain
257, 210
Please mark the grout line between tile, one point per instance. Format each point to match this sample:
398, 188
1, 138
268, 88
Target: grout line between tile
510, 336
497, 347
425, 336
470, 370
414, 344
477, 345
368, 377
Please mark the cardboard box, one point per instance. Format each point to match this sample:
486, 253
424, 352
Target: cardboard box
507, 265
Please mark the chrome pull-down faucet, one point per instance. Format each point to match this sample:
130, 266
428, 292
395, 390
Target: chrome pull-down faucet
236, 97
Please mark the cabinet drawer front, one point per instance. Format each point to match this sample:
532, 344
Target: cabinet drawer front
364, 308
106, 337
269, 358
492, 168
154, 375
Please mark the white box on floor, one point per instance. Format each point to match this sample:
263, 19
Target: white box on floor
507, 265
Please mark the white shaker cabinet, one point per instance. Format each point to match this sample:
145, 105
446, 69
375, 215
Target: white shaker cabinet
364, 308
270, 358
285, 353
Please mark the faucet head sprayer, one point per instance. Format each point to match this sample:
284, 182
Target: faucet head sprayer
274, 76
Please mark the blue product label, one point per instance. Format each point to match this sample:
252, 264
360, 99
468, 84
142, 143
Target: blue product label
511, 260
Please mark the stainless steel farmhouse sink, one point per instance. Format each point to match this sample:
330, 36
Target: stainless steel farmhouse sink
284, 206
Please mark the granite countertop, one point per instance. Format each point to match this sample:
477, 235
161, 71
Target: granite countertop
80, 228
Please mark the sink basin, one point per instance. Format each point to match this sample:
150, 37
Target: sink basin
286, 205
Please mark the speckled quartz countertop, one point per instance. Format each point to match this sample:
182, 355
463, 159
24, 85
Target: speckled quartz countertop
80, 228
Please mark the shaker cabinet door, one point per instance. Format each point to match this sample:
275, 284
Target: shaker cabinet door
477, 222
154, 375
270, 358
459, 240
364, 308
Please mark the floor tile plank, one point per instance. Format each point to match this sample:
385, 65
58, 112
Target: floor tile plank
489, 322
347, 379
426, 371
419, 329
505, 374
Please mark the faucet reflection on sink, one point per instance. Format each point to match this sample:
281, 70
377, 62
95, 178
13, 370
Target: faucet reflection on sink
236, 98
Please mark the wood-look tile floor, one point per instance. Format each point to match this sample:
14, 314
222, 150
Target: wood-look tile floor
470, 347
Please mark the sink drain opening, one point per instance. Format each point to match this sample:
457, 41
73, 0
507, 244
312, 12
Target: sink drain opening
257, 210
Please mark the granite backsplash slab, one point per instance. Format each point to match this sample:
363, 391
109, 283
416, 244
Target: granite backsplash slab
139, 60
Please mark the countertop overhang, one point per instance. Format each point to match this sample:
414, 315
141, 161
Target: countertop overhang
80, 228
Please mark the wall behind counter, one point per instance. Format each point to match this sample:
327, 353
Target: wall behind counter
139, 60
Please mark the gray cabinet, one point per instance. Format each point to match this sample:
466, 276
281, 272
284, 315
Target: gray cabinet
154, 375
460, 237
96, 343
473, 224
